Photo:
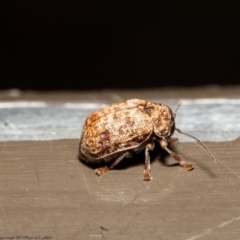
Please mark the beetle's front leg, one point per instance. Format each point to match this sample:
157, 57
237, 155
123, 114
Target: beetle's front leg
146, 173
186, 166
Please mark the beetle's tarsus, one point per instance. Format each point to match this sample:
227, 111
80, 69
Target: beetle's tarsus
101, 171
188, 167
184, 165
146, 175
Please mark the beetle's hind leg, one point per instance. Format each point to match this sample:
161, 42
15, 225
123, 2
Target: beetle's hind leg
146, 173
102, 170
186, 166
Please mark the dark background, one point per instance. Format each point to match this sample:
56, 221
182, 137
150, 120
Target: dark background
95, 45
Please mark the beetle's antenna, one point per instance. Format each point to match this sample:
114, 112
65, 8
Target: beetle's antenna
204, 146
178, 106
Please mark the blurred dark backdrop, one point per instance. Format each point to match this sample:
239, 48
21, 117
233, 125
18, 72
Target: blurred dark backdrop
92, 44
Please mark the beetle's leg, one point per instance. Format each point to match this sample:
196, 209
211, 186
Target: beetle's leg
146, 173
102, 170
186, 166
118, 160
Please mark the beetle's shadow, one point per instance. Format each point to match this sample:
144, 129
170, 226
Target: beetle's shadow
161, 155
158, 154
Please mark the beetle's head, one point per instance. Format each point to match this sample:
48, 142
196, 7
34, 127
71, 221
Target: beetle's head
163, 119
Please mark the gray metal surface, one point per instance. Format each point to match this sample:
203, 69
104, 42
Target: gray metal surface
208, 119
47, 194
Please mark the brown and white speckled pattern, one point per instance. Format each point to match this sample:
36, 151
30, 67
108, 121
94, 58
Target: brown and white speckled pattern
123, 126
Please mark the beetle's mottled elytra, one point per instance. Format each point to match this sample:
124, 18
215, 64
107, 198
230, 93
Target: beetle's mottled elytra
122, 129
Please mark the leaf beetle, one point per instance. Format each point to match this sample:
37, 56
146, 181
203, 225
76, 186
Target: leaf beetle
122, 129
